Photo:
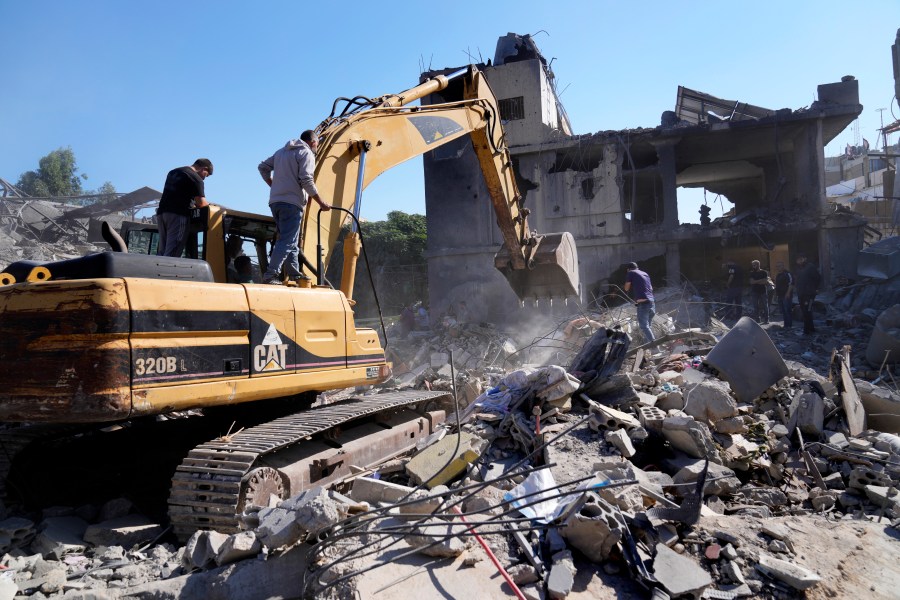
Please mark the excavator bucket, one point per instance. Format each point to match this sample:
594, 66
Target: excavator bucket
552, 271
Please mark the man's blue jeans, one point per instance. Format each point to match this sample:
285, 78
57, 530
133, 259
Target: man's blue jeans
645, 313
286, 250
787, 306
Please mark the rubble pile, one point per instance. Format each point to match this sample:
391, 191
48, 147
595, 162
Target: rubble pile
698, 465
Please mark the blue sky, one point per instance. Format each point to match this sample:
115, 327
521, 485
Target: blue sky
137, 88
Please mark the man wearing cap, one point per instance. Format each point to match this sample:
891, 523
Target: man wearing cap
639, 282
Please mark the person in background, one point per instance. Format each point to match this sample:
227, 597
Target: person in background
784, 293
182, 191
759, 279
292, 186
638, 283
734, 290
243, 269
234, 248
807, 282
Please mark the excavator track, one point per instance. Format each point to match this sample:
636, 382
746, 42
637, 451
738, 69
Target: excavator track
207, 487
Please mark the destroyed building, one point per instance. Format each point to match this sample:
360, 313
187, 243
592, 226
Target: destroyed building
617, 191
49, 229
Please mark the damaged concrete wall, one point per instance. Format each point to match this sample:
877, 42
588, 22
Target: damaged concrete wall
617, 192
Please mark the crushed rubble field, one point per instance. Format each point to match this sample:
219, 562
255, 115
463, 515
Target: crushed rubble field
719, 461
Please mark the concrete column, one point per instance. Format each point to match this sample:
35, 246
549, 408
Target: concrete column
673, 264
665, 151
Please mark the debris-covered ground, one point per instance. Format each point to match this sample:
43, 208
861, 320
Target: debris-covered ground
721, 461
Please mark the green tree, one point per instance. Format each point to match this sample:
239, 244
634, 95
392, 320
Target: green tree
396, 256
57, 175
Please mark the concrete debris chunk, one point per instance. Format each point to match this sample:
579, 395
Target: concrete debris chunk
679, 574
621, 441
606, 418
126, 531
374, 491
562, 575
691, 437
720, 480
593, 529
315, 510
799, 578
238, 546
436, 465
58, 536
15, 532
435, 537
709, 401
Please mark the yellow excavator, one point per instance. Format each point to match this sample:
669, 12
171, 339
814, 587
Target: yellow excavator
115, 337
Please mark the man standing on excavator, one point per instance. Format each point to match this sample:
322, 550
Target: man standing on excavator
183, 190
292, 186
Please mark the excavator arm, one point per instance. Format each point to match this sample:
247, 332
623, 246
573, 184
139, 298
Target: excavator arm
372, 136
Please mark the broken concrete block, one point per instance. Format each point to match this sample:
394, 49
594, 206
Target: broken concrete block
562, 575
604, 418
679, 574
822, 499
374, 491
435, 537
523, 574
808, 413
884, 496
794, 575
126, 531
59, 536
428, 501
670, 401
747, 359
593, 530
621, 441
837, 439
709, 401
201, 549
115, 508
15, 532
436, 465
645, 399
651, 417
771, 497
861, 477
673, 377
691, 437
314, 510
278, 528
720, 480
730, 425
238, 546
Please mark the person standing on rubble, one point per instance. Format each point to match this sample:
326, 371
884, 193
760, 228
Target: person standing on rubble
734, 290
784, 293
639, 281
182, 191
808, 278
292, 187
759, 279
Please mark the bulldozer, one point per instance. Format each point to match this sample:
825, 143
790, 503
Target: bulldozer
126, 336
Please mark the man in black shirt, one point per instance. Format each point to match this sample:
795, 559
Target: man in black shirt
183, 187
734, 291
808, 279
784, 293
759, 278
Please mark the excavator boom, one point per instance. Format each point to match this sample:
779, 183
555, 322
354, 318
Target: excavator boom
360, 144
